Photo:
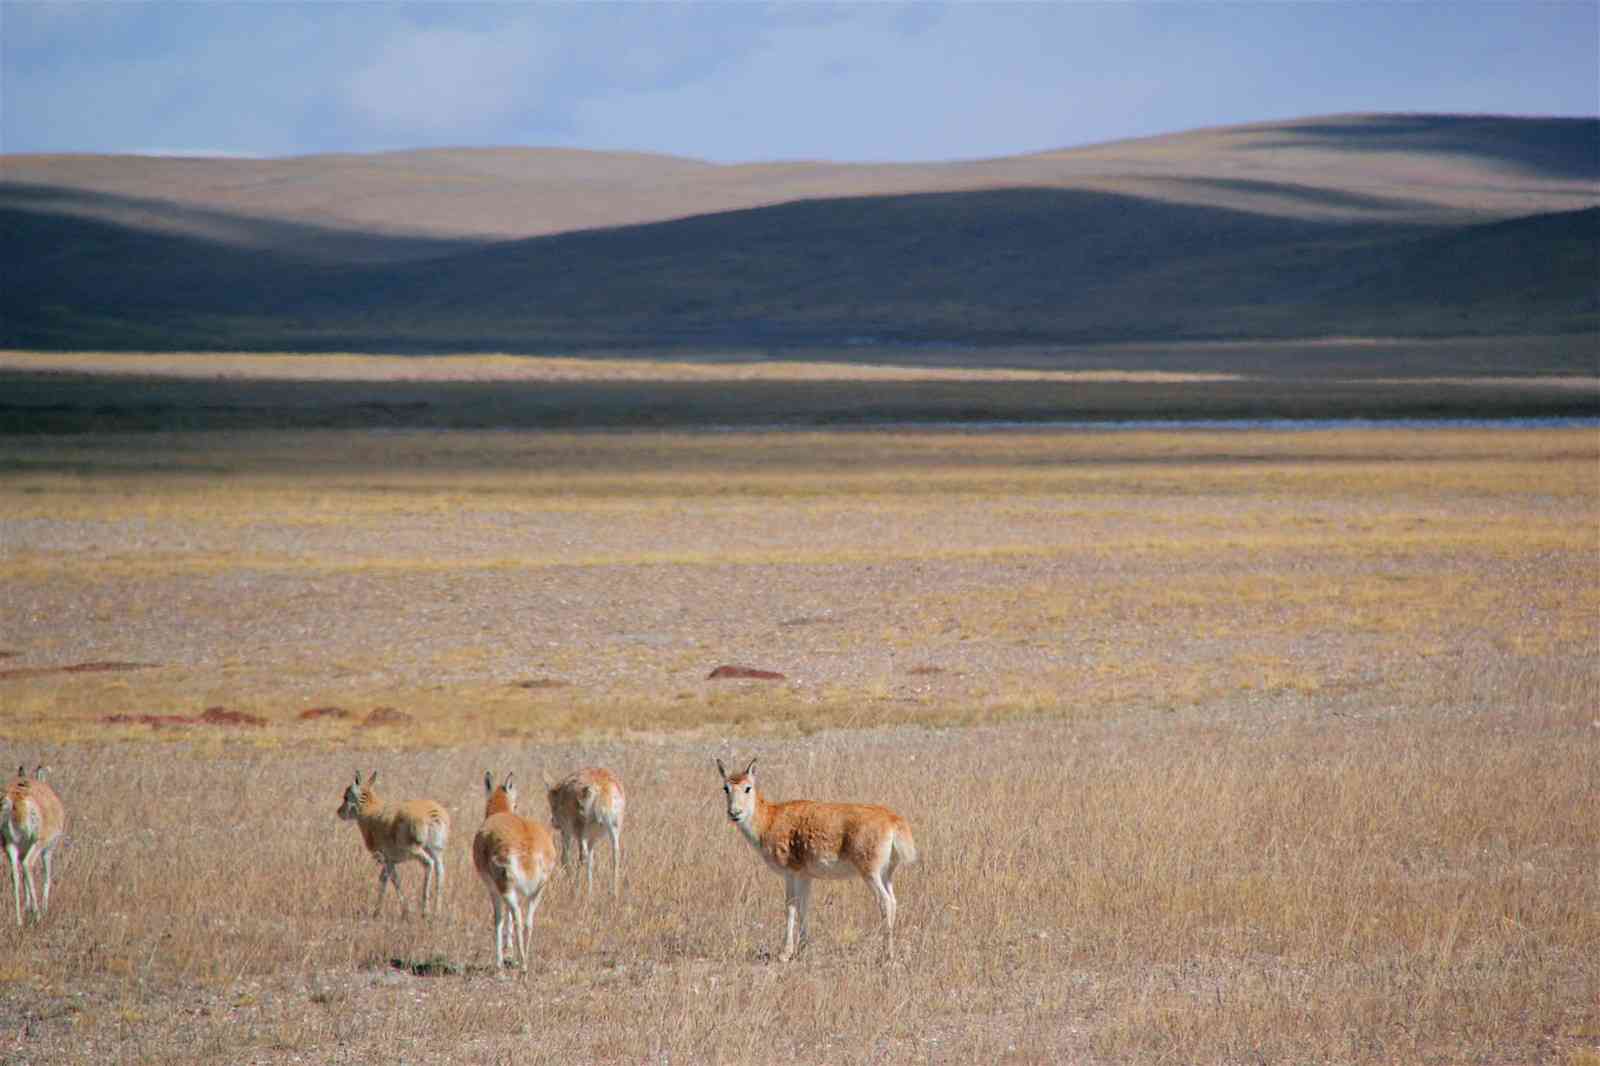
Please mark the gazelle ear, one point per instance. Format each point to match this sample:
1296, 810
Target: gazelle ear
358, 778
506, 784
750, 768
488, 782
40, 771
723, 770
22, 771
372, 778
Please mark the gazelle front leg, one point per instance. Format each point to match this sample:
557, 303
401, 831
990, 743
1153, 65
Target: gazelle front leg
16, 879
387, 873
796, 896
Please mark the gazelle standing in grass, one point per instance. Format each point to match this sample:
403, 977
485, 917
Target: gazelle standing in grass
398, 832
804, 840
584, 805
31, 822
515, 856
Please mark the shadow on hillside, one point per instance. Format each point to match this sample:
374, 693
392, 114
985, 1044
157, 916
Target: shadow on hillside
999, 267
299, 240
1560, 148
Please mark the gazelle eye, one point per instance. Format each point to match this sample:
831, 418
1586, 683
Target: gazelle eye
747, 788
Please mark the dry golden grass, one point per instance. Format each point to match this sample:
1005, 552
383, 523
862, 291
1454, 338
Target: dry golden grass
1218, 747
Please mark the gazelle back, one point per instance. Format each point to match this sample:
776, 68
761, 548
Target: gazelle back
804, 840
31, 823
515, 857
584, 805
399, 832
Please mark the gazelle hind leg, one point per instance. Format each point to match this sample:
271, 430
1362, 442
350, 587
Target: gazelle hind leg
527, 922
31, 892
499, 930
886, 907
616, 859
433, 863
49, 857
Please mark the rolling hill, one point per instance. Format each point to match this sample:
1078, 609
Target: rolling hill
1408, 226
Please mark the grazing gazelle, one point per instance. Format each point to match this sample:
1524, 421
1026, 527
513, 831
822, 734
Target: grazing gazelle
398, 832
31, 820
584, 805
804, 840
515, 856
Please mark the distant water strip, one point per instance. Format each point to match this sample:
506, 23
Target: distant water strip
1240, 425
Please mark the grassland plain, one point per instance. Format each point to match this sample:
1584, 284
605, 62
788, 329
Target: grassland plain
1219, 746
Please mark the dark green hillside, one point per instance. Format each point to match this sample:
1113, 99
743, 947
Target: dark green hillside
1388, 226
996, 267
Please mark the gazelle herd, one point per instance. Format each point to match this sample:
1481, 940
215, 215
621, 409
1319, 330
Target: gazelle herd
515, 856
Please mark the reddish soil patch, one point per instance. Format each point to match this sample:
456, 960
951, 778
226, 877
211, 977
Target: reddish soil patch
540, 683
210, 716
75, 668
313, 713
925, 671
386, 716
154, 721
743, 672
223, 716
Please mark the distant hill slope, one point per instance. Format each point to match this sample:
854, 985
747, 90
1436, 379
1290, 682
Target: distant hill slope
1393, 225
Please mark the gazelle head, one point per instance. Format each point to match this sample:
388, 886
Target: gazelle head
499, 800
740, 790
354, 795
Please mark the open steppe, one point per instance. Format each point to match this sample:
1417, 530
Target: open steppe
1220, 746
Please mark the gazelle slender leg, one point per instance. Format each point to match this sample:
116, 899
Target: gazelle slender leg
588, 864
49, 856
16, 878
616, 859
886, 907
527, 924
791, 900
432, 875
499, 931
802, 892
518, 930
33, 892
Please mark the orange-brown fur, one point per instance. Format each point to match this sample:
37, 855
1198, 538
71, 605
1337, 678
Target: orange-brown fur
805, 840
401, 832
583, 806
31, 823
515, 857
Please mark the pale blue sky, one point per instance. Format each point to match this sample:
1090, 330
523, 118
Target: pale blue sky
751, 81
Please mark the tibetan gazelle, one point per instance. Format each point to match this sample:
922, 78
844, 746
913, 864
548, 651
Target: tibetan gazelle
396, 833
31, 821
515, 856
804, 840
583, 806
